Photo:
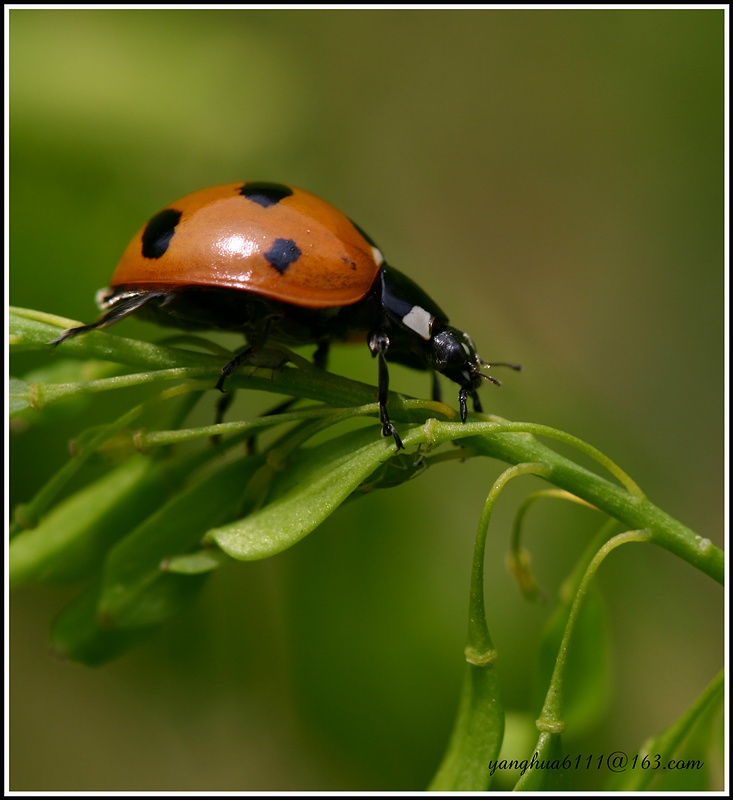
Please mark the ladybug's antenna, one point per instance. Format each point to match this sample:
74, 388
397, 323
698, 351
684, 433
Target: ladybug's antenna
491, 364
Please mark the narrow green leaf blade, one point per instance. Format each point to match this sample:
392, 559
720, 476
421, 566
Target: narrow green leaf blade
135, 581
477, 735
545, 771
675, 759
313, 487
78, 633
19, 396
73, 537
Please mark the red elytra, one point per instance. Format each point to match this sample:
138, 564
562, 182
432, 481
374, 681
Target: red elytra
224, 235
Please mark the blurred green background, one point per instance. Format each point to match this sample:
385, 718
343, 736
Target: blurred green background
554, 179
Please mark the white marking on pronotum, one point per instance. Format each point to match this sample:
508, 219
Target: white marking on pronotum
419, 320
378, 257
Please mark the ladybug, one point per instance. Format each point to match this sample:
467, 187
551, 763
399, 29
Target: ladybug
276, 262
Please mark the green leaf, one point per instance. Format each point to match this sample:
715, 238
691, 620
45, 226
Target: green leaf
135, 585
520, 735
72, 539
399, 469
19, 396
196, 563
477, 735
545, 770
676, 759
35, 330
316, 482
79, 634
136, 591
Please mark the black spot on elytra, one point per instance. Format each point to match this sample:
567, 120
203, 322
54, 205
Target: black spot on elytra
264, 193
282, 254
159, 232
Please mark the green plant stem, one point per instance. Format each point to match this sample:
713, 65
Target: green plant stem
506, 441
635, 512
551, 717
480, 647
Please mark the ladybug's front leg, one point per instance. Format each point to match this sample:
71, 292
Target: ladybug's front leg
463, 395
437, 393
378, 342
463, 402
118, 305
477, 407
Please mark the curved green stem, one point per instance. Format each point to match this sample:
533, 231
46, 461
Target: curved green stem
480, 648
551, 716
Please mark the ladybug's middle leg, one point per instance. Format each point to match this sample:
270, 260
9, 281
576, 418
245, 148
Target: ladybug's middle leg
257, 341
230, 366
320, 357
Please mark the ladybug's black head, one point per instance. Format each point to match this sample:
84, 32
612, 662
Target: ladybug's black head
453, 354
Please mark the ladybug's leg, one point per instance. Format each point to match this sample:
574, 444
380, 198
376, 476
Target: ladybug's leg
378, 342
222, 406
320, 357
462, 403
230, 366
437, 393
119, 309
256, 341
463, 394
